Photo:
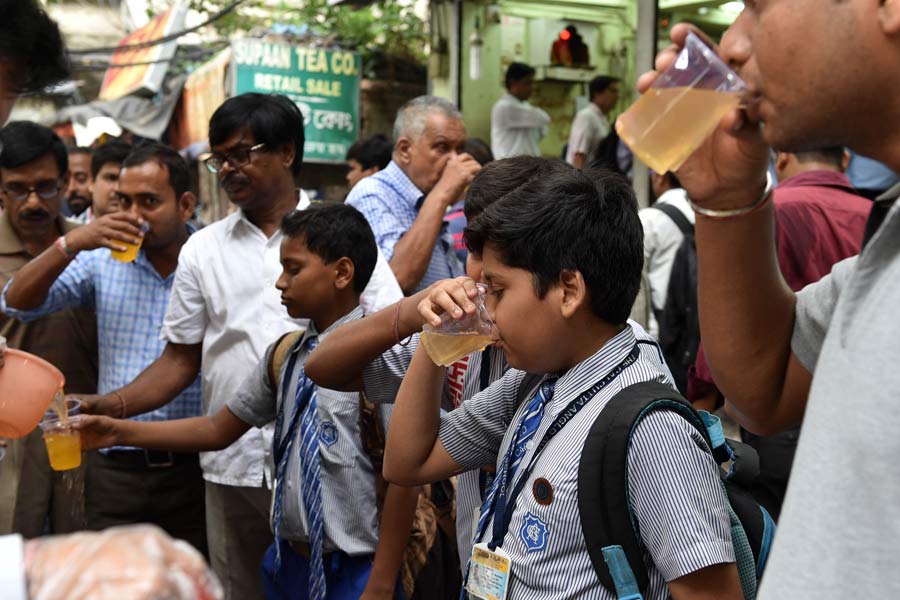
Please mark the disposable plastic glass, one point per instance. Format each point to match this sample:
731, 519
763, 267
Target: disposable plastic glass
131, 251
682, 107
456, 338
63, 442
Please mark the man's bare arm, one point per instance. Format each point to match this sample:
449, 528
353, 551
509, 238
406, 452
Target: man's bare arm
166, 377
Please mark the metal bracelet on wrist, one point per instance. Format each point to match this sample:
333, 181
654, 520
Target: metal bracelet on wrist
737, 212
64, 245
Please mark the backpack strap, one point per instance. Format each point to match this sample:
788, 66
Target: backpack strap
606, 520
674, 213
279, 353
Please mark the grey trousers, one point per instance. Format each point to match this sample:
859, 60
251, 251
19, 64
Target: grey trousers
237, 524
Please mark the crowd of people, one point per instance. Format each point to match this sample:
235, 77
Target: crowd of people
259, 388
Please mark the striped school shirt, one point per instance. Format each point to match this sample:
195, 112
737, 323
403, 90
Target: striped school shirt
349, 511
673, 481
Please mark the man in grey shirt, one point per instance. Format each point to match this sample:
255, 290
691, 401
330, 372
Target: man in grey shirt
825, 354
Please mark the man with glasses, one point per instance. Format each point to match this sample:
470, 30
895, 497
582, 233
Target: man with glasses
223, 314
33, 169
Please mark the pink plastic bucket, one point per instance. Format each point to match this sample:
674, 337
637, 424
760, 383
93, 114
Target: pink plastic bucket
27, 387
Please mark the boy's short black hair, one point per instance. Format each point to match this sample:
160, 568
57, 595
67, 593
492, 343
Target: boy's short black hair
113, 151
274, 120
496, 179
570, 219
24, 141
31, 42
517, 72
373, 151
334, 231
176, 166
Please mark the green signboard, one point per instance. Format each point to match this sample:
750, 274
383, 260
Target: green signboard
323, 83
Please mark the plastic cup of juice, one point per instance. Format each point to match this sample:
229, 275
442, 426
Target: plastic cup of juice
131, 251
63, 442
682, 108
456, 338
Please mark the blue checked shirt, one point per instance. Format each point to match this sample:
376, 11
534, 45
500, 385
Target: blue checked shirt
391, 202
130, 300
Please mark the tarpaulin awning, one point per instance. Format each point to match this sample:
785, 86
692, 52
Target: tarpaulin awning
146, 117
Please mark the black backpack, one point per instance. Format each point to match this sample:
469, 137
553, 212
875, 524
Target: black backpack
679, 321
607, 522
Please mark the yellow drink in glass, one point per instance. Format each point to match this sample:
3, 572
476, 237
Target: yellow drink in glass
444, 349
63, 448
129, 255
665, 126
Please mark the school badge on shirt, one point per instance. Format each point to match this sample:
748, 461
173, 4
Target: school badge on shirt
328, 433
533, 533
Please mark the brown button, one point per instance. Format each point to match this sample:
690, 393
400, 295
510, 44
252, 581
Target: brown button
543, 491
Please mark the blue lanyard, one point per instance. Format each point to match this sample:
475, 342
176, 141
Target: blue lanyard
502, 504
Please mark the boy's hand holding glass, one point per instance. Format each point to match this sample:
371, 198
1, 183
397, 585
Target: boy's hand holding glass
456, 320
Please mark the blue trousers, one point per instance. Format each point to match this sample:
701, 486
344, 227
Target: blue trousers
345, 576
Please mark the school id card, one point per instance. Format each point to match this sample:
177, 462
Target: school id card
488, 573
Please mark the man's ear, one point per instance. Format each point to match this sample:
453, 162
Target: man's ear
889, 16
187, 205
781, 160
344, 272
402, 150
574, 292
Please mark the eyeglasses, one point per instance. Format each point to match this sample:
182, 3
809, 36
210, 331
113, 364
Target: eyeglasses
236, 157
46, 190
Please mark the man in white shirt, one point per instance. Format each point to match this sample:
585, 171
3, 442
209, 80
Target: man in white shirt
591, 124
662, 237
225, 311
516, 126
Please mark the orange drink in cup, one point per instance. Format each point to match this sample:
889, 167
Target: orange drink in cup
63, 442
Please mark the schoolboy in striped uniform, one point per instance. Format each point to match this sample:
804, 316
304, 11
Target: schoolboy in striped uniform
563, 257
364, 355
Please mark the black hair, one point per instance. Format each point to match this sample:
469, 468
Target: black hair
24, 141
31, 42
479, 150
673, 180
177, 167
517, 72
274, 119
599, 84
570, 219
499, 178
833, 155
373, 151
79, 150
113, 151
335, 231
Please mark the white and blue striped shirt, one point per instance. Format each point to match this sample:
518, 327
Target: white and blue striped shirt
673, 481
130, 300
390, 201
